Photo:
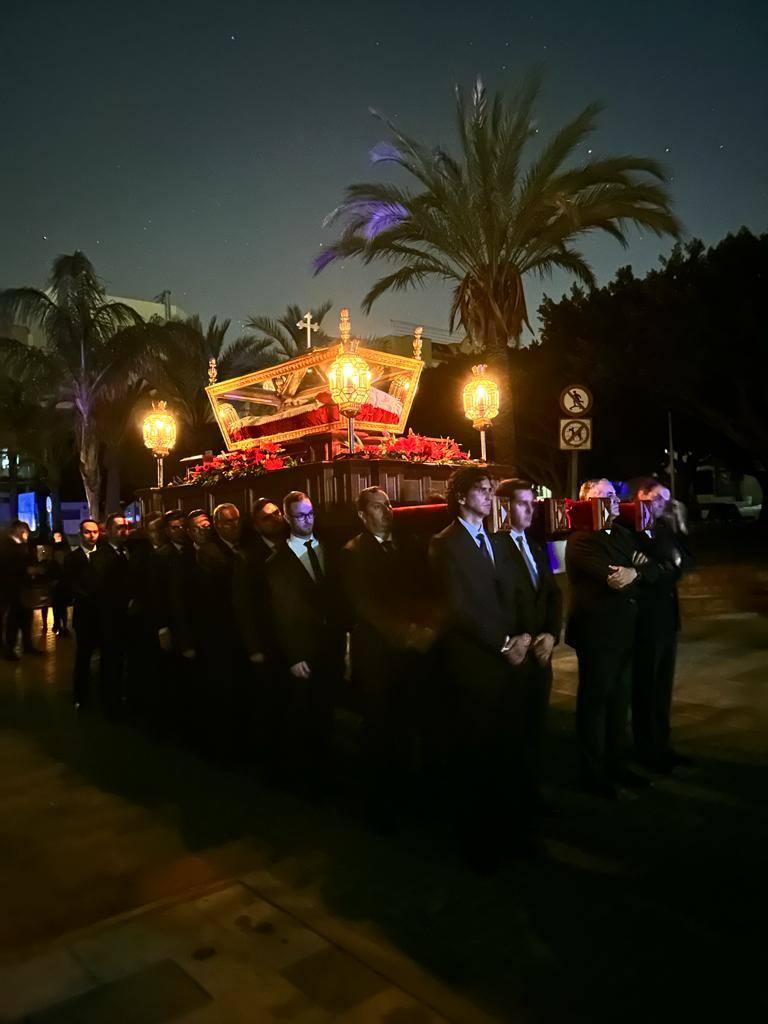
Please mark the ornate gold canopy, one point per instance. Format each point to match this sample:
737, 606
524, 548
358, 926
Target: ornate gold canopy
293, 399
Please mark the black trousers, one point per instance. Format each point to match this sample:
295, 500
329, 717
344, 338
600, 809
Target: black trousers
602, 710
534, 708
653, 676
114, 648
87, 641
17, 620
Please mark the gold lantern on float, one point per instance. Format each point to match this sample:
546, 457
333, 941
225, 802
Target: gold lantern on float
481, 402
159, 432
349, 378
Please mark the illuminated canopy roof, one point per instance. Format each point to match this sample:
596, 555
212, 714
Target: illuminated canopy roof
293, 399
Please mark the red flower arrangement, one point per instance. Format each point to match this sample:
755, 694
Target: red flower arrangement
417, 448
256, 461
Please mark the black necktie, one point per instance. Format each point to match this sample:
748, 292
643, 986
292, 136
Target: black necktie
530, 565
483, 545
314, 561
388, 546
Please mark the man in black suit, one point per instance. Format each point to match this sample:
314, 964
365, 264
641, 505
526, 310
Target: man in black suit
385, 587
17, 566
253, 616
302, 582
251, 595
113, 592
483, 647
658, 624
605, 569
542, 616
81, 586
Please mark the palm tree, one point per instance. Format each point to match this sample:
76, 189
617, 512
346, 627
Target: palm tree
180, 373
93, 349
283, 339
486, 221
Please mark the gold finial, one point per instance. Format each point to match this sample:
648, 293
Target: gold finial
212, 371
344, 327
417, 342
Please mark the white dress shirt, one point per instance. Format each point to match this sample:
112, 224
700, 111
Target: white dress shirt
298, 546
475, 532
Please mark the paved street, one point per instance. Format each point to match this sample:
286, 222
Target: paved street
141, 884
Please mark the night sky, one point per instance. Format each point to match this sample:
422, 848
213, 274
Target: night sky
198, 146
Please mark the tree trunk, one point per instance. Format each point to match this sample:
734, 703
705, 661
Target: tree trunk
503, 433
90, 469
13, 484
112, 462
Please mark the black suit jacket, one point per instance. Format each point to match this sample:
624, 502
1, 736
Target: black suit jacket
251, 598
15, 559
175, 569
541, 606
658, 602
306, 614
480, 606
113, 581
81, 585
386, 593
600, 617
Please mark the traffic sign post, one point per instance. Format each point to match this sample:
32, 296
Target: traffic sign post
575, 430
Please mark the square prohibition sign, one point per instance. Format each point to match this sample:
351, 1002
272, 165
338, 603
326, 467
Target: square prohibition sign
575, 435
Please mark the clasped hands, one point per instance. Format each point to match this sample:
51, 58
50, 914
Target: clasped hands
516, 648
621, 576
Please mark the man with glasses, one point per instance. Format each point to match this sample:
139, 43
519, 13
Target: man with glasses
310, 639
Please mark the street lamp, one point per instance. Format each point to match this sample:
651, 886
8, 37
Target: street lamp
481, 403
349, 379
159, 430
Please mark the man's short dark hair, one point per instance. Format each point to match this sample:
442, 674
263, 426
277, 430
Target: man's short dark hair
461, 483
112, 517
260, 503
17, 523
291, 498
365, 494
173, 516
195, 514
83, 522
509, 488
152, 517
644, 483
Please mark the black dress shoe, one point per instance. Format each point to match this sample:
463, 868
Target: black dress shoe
631, 780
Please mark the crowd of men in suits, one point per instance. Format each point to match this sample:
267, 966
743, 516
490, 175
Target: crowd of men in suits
245, 637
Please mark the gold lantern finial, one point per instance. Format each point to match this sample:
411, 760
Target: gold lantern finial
159, 433
213, 371
481, 402
417, 342
349, 378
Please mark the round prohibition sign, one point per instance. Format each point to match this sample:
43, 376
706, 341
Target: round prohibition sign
576, 400
575, 433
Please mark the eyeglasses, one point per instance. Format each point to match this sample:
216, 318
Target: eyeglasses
303, 515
